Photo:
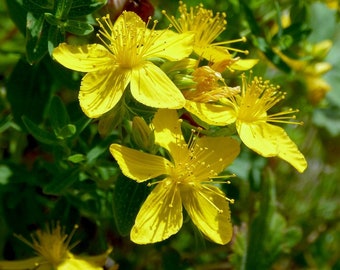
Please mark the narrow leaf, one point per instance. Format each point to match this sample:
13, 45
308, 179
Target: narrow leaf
38, 133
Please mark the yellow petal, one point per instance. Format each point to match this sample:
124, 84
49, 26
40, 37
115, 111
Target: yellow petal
171, 45
160, 215
209, 211
168, 133
212, 114
244, 64
100, 91
97, 260
152, 87
220, 152
138, 165
269, 140
128, 18
76, 263
84, 58
213, 53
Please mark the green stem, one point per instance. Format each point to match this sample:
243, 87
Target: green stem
257, 254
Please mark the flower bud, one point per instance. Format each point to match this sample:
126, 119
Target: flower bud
317, 88
321, 49
142, 135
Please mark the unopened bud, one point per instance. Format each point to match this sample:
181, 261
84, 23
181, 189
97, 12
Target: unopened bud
142, 135
321, 49
317, 88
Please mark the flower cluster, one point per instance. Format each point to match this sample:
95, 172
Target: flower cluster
180, 75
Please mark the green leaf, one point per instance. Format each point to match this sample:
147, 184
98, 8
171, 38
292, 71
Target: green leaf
28, 91
76, 158
17, 13
51, 19
81, 124
55, 37
127, 199
66, 132
259, 230
78, 28
38, 133
84, 7
62, 182
58, 114
36, 37
37, 6
62, 9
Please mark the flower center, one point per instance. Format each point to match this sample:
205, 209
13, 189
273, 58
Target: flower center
129, 40
256, 99
52, 244
206, 26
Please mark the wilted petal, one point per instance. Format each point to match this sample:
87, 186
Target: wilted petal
138, 165
100, 91
209, 210
160, 215
86, 58
152, 87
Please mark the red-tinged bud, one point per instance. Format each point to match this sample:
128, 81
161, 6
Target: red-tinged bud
143, 8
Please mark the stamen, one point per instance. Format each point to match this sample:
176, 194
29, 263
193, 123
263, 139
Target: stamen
242, 39
69, 237
209, 201
212, 179
219, 194
173, 194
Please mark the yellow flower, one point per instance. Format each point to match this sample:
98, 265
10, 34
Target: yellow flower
125, 59
188, 180
53, 250
249, 112
207, 27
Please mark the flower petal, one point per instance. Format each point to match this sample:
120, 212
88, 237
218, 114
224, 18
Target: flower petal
213, 53
75, 263
269, 140
86, 58
168, 133
138, 165
244, 64
215, 153
160, 215
212, 114
152, 87
100, 91
209, 211
126, 20
171, 45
